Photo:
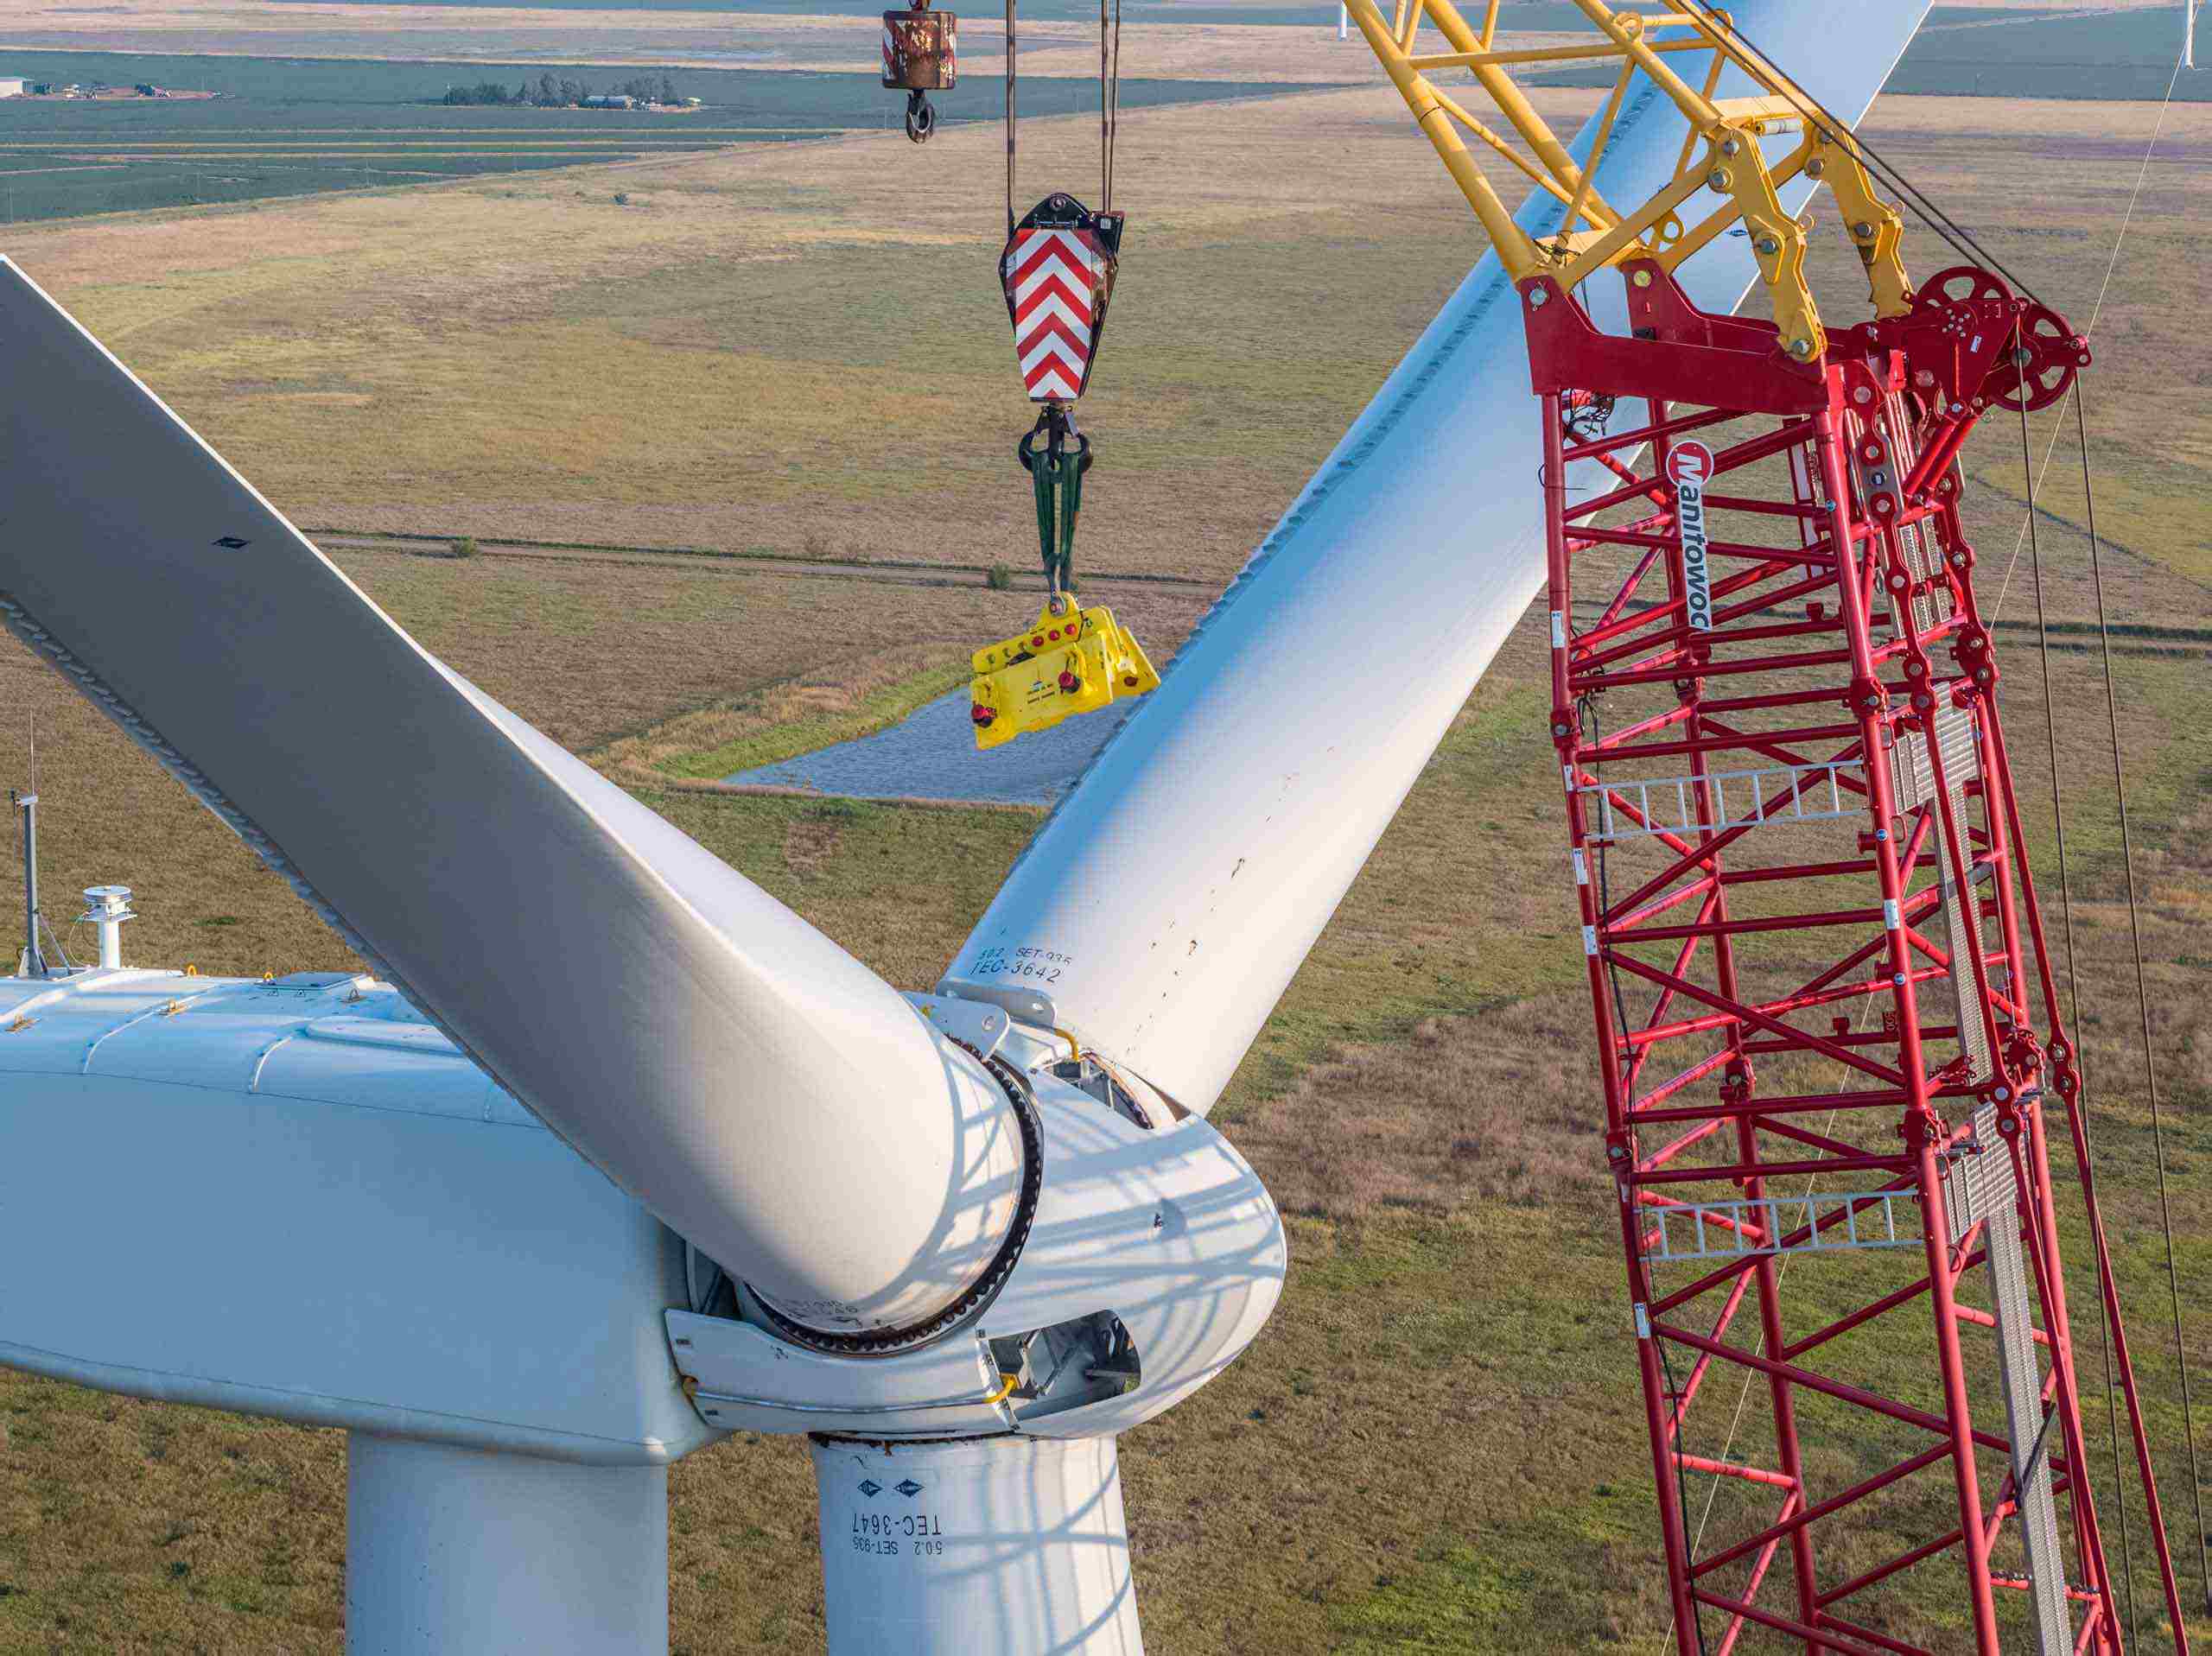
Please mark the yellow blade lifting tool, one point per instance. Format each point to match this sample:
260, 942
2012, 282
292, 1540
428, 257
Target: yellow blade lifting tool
1072, 661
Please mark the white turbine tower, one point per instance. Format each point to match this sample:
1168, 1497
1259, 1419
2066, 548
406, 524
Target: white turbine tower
961, 1241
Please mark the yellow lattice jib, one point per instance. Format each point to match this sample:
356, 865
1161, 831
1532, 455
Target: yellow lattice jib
1721, 154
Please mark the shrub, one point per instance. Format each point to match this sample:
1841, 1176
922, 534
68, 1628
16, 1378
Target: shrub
463, 548
999, 578
621, 198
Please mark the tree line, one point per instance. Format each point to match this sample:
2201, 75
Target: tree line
550, 92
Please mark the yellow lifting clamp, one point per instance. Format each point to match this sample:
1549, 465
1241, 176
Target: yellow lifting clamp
1073, 660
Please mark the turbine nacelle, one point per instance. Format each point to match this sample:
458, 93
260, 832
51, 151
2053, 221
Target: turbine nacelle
354, 1227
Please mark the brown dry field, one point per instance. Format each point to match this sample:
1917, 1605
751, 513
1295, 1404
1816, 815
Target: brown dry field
805, 351
440, 361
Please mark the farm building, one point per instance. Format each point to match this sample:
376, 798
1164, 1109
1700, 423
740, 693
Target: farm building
11, 86
618, 100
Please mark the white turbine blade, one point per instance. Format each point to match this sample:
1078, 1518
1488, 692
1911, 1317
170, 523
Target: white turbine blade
1177, 886
736, 1071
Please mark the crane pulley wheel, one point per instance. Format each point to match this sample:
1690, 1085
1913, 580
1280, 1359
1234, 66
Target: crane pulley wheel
2046, 355
1957, 284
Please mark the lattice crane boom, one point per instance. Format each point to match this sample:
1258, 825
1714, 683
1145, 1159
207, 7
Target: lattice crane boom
1827, 1023
1724, 169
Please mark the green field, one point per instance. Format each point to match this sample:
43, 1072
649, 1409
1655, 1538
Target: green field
290, 126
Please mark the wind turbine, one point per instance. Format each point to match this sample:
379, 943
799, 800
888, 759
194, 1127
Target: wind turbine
960, 1240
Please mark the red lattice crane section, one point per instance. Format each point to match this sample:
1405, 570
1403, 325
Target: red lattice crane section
1836, 1082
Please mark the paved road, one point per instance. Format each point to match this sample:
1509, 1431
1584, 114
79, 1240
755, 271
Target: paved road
931, 754
898, 572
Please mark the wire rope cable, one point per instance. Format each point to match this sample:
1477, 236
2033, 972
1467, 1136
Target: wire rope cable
2079, 1105
2143, 1005
2035, 484
1961, 240
1109, 102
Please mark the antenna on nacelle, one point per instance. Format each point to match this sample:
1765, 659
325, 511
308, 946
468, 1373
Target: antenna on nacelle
33, 963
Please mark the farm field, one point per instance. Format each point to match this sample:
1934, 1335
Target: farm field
410, 360
436, 363
293, 127
2070, 49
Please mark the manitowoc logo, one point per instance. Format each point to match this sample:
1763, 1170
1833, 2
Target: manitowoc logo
1690, 463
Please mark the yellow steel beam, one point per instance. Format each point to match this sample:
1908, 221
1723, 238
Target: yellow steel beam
1876, 228
1514, 105
1597, 151
1537, 54
1725, 216
1722, 153
1639, 236
1515, 251
1506, 151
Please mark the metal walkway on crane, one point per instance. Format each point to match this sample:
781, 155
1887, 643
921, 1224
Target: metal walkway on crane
1826, 1024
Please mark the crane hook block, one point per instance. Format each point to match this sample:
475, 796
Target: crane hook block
919, 50
1058, 271
1071, 661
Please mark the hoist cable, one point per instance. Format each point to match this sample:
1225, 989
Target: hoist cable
2142, 172
1110, 98
2143, 1003
1009, 120
2079, 1105
1948, 229
2032, 480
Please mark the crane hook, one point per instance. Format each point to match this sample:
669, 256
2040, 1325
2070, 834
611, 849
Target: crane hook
920, 56
921, 119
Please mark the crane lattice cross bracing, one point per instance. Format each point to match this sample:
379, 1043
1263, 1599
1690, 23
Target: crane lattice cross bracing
1826, 1025
1724, 180
1834, 1077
